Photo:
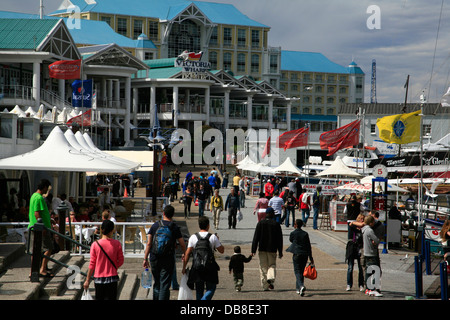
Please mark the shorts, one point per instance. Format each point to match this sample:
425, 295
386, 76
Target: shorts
47, 241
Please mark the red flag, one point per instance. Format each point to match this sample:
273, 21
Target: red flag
65, 69
82, 120
337, 139
266, 150
293, 138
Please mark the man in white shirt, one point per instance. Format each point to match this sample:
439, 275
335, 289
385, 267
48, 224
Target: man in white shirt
277, 204
210, 279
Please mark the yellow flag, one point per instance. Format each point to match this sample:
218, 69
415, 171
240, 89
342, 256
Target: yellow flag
400, 128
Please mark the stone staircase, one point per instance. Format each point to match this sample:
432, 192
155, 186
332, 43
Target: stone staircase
15, 284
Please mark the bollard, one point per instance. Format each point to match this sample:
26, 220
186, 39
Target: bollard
38, 228
418, 275
428, 257
444, 280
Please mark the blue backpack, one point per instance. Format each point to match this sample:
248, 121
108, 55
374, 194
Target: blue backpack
163, 242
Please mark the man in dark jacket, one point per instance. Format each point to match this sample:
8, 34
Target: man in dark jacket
233, 205
301, 250
269, 238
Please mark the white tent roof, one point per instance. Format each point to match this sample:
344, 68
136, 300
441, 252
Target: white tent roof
288, 166
338, 168
57, 154
19, 112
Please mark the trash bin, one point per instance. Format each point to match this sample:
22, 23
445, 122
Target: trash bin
148, 190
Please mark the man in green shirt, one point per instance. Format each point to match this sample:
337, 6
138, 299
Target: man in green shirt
39, 209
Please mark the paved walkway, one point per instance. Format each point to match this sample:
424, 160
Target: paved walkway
398, 282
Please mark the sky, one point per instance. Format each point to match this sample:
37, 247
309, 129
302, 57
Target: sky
405, 37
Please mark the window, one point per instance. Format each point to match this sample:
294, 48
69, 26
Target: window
319, 100
330, 111
227, 37
137, 28
214, 38
319, 89
331, 89
255, 38
330, 100
255, 63
242, 38
293, 77
106, 19
153, 30
307, 77
213, 60
319, 78
184, 36
227, 61
306, 99
241, 62
273, 63
148, 56
343, 90
426, 130
373, 129
122, 26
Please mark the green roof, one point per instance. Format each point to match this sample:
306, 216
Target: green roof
160, 63
24, 34
158, 73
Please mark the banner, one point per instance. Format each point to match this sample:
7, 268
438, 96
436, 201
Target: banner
266, 150
400, 128
83, 120
82, 93
343, 137
293, 139
65, 69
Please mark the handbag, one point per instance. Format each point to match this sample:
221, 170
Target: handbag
106, 254
310, 272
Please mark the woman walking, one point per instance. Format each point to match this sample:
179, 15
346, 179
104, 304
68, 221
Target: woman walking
106, 258
301, 250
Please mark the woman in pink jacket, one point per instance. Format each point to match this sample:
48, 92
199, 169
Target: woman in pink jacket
261, 206
106, 258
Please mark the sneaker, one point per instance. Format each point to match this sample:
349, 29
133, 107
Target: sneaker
298, 291
361, 288
302, 291
375, 293
348, 288
367, 292
270, 282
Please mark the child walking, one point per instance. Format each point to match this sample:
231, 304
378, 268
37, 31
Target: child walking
237, 267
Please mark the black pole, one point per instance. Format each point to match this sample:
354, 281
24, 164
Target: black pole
37, 230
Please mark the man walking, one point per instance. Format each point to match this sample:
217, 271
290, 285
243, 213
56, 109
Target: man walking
162, 239
39, 210
268, 238
233, 205
277, 204
317, 197
304, 205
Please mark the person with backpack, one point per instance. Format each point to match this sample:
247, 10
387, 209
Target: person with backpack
162, 240
305, 207
204, 271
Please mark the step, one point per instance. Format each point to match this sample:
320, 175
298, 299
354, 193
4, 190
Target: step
9, 252
129, 288
59, 283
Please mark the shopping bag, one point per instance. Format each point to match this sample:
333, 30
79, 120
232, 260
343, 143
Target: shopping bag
86, 295
184, 292
239, 216
196, 203
310, 272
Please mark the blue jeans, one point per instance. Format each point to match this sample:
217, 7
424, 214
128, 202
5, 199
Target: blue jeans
351, 264
315, 216
162, 270
305, 215
299, 261
200, 290
201, 207
288, 211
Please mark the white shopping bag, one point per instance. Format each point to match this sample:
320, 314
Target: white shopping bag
185, 293
239, 216
86, 295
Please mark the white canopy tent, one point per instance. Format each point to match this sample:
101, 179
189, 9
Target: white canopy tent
338, 168
288, 167
57, 154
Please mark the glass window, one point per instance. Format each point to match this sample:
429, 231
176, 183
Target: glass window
184, 36
137, 28
255, 39
153, 30
255, 63
242, 37
213, 60
227, 37
241, 62
6, 128
273, 63
214, 38
122, 26
227, 61
106, 19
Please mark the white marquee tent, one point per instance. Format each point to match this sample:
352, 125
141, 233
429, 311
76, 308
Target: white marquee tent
338, 168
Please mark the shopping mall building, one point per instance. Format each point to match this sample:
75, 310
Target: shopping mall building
133, 52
